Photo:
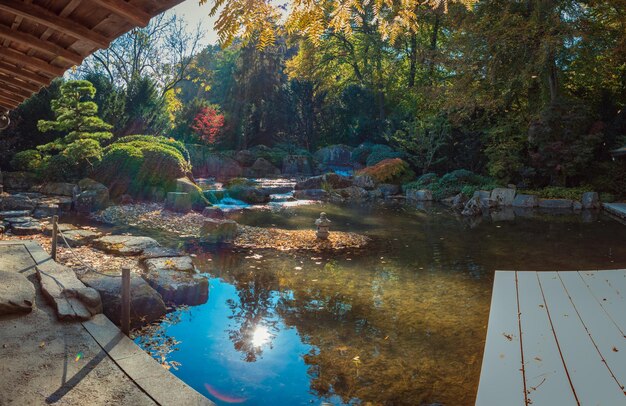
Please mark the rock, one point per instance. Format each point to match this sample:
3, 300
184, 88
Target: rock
277, 190
178, 202
262, 168
18, 181
555, 203
503, 196
591, 200
364, 181
208, 164
353, 193
296, 165
375, 194
78, 238
526, 201
473, 207
314, 182
177, 263
124, 244
146, 303
213, 212
310, 194
64, 203
503, 214
179, 288
198, 201
419, 195
160, 252
245, 158
126, 199
71, 299
64, 227
27, 228
334, 155
458, 202
577, 206
482, 194
90, 196
46, 210
19, 220
214, 230
387, 189
336, 181
58, 188
17, 293
249, 194
17, 202
14, 213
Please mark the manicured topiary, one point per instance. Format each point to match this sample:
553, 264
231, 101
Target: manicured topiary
359, 154
29, 160
159, 139
380, 152
393, 170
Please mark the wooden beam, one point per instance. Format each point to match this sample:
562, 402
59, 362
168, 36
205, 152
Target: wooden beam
15, 89
18, 83
11, 96
46, 18
40, 45
19, 58
8, 103
126, 10
14, 71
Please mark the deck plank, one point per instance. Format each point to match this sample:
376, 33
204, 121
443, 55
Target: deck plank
547, 382
501, 381
609, 290
592, 380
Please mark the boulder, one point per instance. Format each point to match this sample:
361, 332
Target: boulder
364, 181
591, 200
14, 213
146, 303
334, 155
249, 194
576, 205
526, 201
245, 158
375, 194
482, 194
64, 203
214, 230
46, 210
296, 165
198, 201
314, 182
503, 196
58, 188
178, 202
556, 203
30, 227
17, 202
419, 195
310, 194
160, 252
78, 238
90, 196
388, 189
473, 207
124, 244
207, 164
18, 181
17, 293
336, 181
176, 279
213, 212
458, 202
63, 227
353, 193
262, 168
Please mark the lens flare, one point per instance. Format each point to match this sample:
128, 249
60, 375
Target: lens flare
260, 336
78, 357
223, 397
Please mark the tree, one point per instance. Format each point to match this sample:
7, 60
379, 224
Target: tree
208, 125
77, 119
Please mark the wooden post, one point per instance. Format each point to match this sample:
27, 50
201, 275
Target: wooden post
125, 321
55, 231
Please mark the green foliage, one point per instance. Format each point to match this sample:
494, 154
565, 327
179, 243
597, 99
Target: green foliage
558, 192
423, 140
380, 152
274, 155
29, 160
157, 139
238, 182
360, 153
58, 168
506, 149
452, 183
393, 170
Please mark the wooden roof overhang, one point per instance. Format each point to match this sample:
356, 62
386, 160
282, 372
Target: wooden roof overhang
41, 39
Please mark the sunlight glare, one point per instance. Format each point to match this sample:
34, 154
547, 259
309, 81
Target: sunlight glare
260, 336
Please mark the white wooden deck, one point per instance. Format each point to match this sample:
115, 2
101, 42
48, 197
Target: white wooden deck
555, 339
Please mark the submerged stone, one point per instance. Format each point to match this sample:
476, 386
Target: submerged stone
214, 230
176, 279
124, 244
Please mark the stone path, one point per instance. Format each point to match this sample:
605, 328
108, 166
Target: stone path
618, 209
47, 361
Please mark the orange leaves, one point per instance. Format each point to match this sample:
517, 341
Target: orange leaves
393, 170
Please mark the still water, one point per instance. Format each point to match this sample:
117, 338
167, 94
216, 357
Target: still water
401, 322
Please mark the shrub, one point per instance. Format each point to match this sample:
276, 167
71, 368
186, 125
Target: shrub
558, 192
58, 168
85, 155
274, 155
452, 183
360, 153
389, 171
379, 153
29, 160
158, 139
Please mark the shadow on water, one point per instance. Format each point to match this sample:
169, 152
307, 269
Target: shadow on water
401, 322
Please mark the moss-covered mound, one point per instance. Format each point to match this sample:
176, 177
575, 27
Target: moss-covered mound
393, 170
143, 166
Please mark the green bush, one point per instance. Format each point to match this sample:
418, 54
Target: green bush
157, 139
29, 160
558, 192
360, 153
380, 152
394, 171
274, 155
58, 168
452, 183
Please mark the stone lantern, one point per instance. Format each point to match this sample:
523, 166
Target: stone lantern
323, 225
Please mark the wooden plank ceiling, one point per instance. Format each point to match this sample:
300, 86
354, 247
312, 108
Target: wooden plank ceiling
41, 39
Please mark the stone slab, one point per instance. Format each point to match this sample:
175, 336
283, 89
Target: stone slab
17, 294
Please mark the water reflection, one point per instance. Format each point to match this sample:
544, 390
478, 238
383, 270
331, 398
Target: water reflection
400, 323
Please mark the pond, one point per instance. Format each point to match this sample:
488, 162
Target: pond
401, 322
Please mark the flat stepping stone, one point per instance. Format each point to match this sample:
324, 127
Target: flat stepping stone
17, 293
71, 299
146, 303
124, 244
78, 238
14, 213
158, 252
177, 281
63, 227
28, 228
19, 220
